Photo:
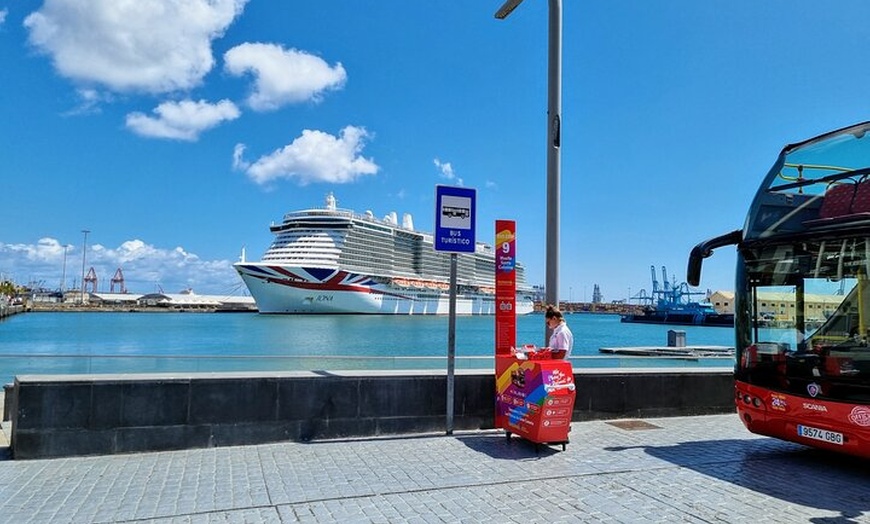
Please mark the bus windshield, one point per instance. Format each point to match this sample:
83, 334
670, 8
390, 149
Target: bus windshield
808, 318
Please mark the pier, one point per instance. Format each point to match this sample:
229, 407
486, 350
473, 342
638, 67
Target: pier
668, 351
676, 348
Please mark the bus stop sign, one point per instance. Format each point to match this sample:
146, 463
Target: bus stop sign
454, 219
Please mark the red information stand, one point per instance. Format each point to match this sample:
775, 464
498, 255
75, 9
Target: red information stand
535, 398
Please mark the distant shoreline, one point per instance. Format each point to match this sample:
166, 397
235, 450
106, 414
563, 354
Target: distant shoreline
77, 308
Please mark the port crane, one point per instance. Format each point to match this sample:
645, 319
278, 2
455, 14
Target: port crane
666, 293
118, 278
90, 281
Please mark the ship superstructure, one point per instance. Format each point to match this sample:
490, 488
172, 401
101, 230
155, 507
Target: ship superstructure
330, 260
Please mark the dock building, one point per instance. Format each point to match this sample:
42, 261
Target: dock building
780, 305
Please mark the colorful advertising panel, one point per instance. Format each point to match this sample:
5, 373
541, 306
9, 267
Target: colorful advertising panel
505, 286
535, 399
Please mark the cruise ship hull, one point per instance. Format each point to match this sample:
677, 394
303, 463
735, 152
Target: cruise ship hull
282, 289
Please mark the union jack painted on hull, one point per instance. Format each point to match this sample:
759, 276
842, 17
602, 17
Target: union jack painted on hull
315, 278
278, 289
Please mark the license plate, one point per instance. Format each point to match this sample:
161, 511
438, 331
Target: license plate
820, 434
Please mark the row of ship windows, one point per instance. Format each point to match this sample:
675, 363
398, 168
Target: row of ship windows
289, 248
426, 263
312, 233
281, 255
366, 254
372, 232
314, 236
807, 306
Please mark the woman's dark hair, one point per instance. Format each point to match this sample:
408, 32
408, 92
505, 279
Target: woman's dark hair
553, 312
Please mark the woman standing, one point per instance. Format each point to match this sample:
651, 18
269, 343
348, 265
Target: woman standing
561, 339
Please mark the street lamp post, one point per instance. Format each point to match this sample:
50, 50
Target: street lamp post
63, 272
84, 257
554, 132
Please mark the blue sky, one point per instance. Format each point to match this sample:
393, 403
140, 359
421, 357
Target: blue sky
176, 131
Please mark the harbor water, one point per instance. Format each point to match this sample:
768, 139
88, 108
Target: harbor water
105, 342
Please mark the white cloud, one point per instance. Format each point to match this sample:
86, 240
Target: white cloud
447, 172
89, 102
238, 158
3, 13
44, 249
144, 267
282, 76
183, 120
156, 46
313, 157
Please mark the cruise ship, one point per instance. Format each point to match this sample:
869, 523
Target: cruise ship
331, 260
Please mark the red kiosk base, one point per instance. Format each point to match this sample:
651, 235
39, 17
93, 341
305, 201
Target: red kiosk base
535, 398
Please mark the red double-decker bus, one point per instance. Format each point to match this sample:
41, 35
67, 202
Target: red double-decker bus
802, 295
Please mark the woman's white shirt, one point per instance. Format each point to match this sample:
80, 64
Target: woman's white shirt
562, 338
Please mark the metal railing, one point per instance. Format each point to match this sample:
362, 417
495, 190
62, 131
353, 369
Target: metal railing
49, 364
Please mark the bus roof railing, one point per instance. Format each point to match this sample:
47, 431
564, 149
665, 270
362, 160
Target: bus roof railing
825, 179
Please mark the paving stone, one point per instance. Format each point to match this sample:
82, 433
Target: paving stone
689, 469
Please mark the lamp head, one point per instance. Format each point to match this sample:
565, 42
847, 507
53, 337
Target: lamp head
507, 8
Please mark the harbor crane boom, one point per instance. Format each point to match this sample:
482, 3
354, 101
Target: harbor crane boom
118, 278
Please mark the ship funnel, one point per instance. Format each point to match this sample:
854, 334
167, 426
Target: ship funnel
407, 221
392, 218
330, 202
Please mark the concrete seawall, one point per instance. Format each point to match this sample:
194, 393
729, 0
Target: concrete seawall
68, 415
7, 311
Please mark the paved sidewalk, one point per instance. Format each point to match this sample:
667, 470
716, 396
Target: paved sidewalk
686, 469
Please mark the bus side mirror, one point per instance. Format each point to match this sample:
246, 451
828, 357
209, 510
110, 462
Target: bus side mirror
693, 272
704, 250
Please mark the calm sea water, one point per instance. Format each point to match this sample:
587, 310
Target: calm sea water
188, 342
